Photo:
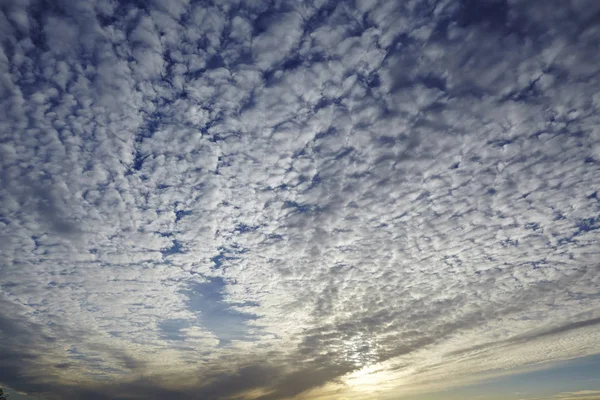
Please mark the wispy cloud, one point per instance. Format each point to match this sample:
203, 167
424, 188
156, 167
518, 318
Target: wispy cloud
579, 395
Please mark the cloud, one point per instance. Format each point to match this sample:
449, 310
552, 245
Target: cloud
581, 394
256, 200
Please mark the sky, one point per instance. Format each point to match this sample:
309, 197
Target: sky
272, 199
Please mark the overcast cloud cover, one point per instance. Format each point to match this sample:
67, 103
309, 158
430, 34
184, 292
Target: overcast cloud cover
278, 199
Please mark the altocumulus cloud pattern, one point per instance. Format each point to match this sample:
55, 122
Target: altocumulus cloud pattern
280, 199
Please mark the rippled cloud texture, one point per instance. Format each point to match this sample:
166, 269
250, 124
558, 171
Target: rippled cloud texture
279, 199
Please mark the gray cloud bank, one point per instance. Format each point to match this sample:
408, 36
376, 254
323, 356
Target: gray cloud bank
256, 199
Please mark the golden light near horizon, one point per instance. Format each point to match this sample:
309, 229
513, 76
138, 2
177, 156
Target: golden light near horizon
377, 380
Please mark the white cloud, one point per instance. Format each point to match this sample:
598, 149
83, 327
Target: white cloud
581, 394
389, 186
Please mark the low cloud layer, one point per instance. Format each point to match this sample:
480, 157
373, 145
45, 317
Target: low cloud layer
269, 200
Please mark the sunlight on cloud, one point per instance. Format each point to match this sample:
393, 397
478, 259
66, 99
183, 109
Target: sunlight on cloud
373, 378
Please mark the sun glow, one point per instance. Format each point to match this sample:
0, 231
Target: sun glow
371, 378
